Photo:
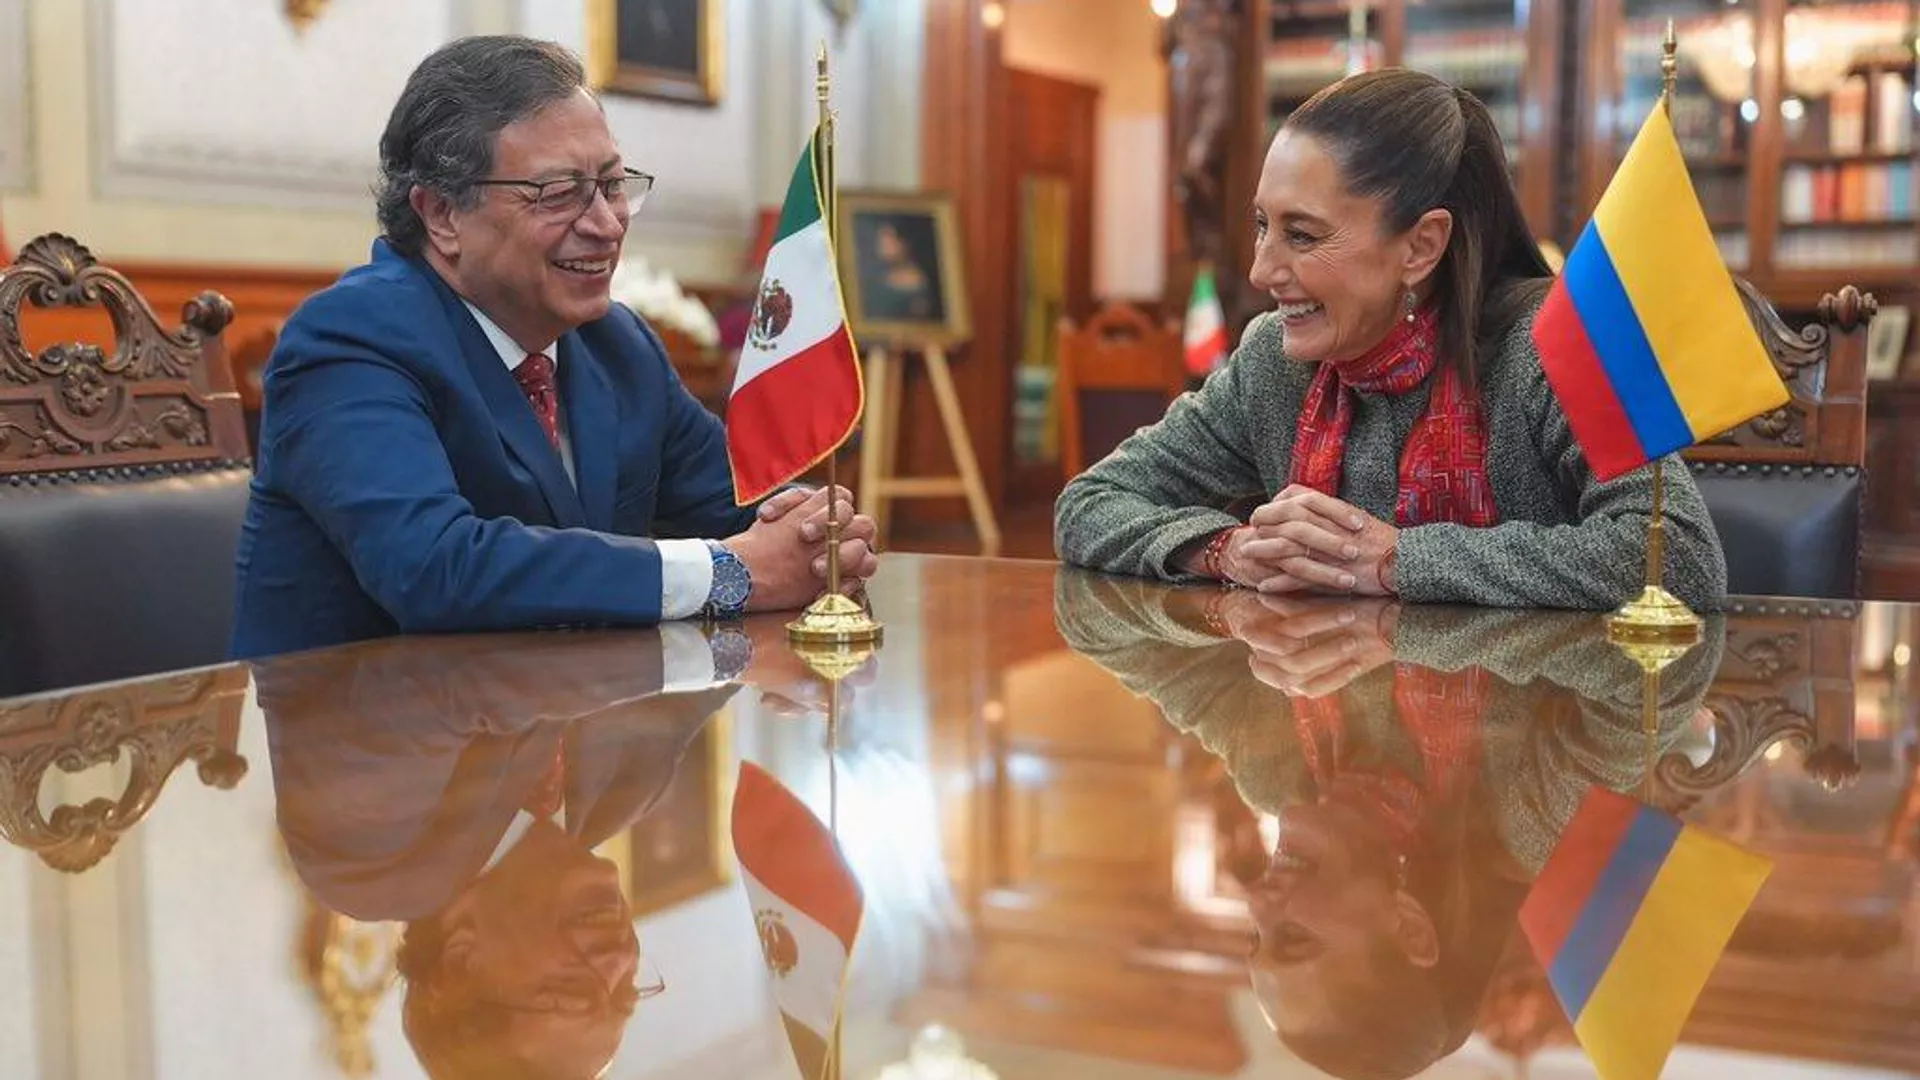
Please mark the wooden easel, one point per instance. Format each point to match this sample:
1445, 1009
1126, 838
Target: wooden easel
878, 484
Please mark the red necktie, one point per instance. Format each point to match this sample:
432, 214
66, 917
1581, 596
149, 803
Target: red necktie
535, 376
550, 796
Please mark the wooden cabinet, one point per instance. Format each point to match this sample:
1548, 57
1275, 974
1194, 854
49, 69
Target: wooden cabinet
1891, 553
1503, 51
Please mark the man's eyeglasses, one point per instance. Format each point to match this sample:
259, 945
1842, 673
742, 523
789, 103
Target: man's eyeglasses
569, 197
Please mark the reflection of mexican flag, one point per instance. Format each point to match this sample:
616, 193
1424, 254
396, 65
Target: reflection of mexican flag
797, 393
806, 907
1206, 332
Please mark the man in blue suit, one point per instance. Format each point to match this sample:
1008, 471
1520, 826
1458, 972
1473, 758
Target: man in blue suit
465, 434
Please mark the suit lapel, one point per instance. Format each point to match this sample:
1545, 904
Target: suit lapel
591, 421
519, 428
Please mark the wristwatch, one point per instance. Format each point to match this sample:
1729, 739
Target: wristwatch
732, 651
732, 584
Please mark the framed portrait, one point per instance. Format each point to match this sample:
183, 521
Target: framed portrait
667, 49
682, 847
901, 264
1887, 341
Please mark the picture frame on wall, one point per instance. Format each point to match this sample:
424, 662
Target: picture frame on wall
902, 268
670, 50
681, 847
1887, 342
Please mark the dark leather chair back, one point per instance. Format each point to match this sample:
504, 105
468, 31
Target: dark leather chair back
123, 482
1786, 489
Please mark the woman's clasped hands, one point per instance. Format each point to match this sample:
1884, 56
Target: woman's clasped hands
1305, 540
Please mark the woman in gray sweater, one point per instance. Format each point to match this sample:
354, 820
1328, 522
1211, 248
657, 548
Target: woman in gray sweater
1389, 425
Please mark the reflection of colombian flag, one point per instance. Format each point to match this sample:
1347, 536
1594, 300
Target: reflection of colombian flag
1643, 337
1629, 917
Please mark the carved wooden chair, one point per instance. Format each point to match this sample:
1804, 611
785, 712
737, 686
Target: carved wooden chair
153, 725
1118, 373
1786, 489
123, 481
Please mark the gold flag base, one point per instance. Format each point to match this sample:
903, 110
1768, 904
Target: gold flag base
1655, 627
835, 619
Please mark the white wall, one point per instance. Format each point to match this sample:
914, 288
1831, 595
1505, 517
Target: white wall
212, 131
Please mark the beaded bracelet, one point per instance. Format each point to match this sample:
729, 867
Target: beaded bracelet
1212, 558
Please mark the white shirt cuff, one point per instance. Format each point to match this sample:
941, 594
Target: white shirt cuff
686, 577
686, 660
516, 832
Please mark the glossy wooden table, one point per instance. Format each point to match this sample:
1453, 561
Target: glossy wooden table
1058, 791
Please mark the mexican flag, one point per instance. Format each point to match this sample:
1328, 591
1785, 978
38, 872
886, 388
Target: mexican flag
806, 908
797, 393
1206, 333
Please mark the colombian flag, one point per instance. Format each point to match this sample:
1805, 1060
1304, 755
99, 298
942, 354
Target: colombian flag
1643, 337
1629, 917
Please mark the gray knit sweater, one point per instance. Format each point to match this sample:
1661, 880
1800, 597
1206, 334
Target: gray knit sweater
1565, 539
1564, 712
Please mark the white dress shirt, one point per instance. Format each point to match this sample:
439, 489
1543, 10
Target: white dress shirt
686, 566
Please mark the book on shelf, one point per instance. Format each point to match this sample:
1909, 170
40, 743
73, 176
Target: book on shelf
1852, 192
1847, 116
1801, 249
1892, 114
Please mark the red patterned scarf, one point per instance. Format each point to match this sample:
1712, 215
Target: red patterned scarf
1442, 712
1443, 468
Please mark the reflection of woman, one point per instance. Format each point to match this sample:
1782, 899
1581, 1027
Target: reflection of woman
1391, 419
898, 286
1420, 764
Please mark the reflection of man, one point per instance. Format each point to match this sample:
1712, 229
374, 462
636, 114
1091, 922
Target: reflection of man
460, 786
1419, 763
465, 434
898, 287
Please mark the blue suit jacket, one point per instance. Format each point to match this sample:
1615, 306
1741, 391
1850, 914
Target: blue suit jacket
404, 485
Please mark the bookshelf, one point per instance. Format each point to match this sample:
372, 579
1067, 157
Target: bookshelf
1847, 182
1506, 51
1798, 126
1798, 121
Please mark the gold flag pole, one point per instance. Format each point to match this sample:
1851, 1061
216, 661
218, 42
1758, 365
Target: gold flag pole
834, 1063
835, 618
1656, 617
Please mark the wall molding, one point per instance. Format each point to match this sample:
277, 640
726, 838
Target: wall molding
191, 171
16, 98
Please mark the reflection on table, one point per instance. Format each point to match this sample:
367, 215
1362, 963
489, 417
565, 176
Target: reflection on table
1064, 795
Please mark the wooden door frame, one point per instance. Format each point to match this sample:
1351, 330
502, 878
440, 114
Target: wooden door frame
1032, 482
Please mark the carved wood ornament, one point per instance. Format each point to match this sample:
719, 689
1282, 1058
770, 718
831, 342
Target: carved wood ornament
1824, 367
158, 724
157, 398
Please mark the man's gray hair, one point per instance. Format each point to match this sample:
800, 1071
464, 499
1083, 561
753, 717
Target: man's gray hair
442, 130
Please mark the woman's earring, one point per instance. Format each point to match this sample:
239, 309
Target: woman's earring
1409, 302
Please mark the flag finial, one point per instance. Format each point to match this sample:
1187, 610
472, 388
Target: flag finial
1669, 66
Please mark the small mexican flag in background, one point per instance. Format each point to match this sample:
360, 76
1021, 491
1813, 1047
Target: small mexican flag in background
1206, 333
797, 393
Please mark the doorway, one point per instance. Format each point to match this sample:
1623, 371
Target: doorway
1051, 124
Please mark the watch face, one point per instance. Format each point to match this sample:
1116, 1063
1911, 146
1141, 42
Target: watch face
732, 651
731, 583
